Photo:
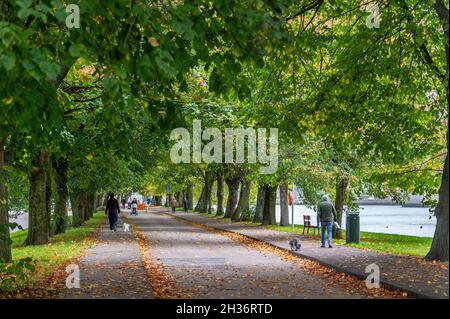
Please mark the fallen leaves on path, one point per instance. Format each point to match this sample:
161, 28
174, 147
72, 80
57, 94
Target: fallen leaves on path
162, 284
350, 283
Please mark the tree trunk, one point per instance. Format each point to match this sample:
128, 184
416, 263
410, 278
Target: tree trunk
77, 217
98, 201
105, 199
341, 189
270, 201
38, 223
81, 205
203, 202
48, 196
244, 200
439, 246
180, 198
168, 197
220, 211
210, 196
5, 245
60, 216
90, 205
233, 192
258, 218
190, 196
284, 205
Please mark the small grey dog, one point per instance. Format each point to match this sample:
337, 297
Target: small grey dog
295, 244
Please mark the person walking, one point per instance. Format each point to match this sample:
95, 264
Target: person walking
185, 204
326, 214
112, 210
173, 203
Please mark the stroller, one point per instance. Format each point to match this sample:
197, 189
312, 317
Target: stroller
134, 209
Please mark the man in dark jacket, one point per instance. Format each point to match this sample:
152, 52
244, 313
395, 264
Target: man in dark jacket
327, 214
113, 211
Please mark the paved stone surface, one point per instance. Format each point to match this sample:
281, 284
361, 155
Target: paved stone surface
218, 267
405, 273
113, 268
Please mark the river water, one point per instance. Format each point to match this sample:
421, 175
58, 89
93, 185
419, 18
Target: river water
390, 219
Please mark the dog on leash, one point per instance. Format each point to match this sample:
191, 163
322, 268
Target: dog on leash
295, 244
126, 227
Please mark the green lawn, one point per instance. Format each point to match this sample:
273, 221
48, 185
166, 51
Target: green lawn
388, 243
61, 249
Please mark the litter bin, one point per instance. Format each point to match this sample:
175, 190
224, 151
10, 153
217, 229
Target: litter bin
352, 228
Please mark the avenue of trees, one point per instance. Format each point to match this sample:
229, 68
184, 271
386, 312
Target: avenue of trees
87, 111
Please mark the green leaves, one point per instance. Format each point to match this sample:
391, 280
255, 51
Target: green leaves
24, 10
51, 70
78, 50
8, 60
164, 60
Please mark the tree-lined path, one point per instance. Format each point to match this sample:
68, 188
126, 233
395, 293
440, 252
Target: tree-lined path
171, 255
169, 99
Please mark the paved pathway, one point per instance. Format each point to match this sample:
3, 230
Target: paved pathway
205, 264
113, 268
404, 273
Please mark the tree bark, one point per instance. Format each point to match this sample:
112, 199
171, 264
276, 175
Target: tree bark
48, 196
105, 198
439, 246
180, 198
5, 245
233, 192
201, 199
81, 205
244, 201
284, 205
341, 189
219, 194
38, 223
270, 201
203, 202
210, 197
190, 196
77, 217
258, 218
90, 205
60, 216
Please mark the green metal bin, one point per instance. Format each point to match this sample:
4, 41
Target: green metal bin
352, 228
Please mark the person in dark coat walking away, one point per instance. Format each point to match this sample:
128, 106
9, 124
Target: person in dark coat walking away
113, 211
185, 204
327, 214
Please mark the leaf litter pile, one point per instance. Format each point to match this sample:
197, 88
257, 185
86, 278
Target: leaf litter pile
348, 282
162, 284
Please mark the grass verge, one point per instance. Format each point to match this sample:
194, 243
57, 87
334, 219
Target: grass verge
62, 249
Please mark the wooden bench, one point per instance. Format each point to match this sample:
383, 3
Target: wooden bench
307, 225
